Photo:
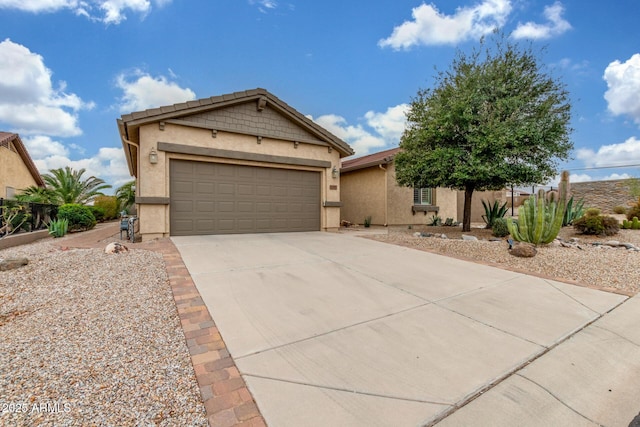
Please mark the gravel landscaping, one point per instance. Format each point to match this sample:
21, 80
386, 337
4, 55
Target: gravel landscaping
90, 338
615, 269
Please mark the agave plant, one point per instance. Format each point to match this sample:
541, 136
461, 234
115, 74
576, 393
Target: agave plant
493, 212
572, 212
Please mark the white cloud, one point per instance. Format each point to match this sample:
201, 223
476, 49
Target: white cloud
109, 164
430, 27
266, 4
29, 103
554, 26
575, 177
145, 91
110, 11
385, 129
390, 124
623, 82
625, 153
40, 147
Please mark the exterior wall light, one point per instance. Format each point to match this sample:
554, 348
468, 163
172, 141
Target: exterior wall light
153, 156
335, 172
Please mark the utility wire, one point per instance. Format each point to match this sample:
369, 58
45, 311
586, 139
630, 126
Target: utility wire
603, 167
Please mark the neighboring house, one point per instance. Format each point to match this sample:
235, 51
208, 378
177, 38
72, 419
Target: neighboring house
245, 162
17, 170
369, 188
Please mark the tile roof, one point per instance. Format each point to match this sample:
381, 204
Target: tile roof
129, 124
379, 158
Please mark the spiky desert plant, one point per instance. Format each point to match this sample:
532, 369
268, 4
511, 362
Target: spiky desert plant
539, 221
493, 212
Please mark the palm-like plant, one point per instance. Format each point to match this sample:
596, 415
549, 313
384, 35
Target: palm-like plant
126, 195
35, 194
68, 186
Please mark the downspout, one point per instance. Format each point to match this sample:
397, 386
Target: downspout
386, 204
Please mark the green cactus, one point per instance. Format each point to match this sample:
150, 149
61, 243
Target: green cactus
626, 225
539, 221
635, 224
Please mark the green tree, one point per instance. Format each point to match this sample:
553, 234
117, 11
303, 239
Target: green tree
494, 118
126, 195
35, 194
68, 186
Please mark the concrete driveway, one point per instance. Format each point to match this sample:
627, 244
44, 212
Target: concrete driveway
336, 330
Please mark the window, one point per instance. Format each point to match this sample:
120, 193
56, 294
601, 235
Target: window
423, 196
11, 192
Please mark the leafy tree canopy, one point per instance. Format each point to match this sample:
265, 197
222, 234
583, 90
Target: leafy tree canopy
493, 119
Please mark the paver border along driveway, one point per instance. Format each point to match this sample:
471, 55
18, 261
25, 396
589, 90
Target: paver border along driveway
332, 329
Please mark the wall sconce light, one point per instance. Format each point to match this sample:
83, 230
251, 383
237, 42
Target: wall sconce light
334, 172
153, 156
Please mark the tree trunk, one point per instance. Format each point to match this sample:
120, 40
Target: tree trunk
466, 219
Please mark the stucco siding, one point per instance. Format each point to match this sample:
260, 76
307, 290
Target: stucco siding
13, 172
363, 195
154, 179
374, 191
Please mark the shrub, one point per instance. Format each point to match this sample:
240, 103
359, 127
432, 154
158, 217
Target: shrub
109, 204
594, 223
79, 216
98, 213
621, 210
634, 211
500, 228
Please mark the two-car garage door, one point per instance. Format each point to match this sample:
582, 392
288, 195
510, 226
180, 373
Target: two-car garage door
217, 198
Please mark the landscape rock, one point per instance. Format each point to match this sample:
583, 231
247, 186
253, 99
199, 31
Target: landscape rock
115, 248
524, 251
423, 234
612, 243
443, 236
417, 234
469, 238
12, 264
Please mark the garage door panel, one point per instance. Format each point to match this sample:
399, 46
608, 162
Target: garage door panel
214, 198
205, 207
226, 188
182, 206
246, 190
205, 187
224, 207
183, 187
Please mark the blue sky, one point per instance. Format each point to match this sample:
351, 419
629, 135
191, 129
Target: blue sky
70, 68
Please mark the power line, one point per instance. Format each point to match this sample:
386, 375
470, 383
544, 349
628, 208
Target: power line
603, 167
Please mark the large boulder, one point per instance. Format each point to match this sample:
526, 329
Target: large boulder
524, 251
12, 264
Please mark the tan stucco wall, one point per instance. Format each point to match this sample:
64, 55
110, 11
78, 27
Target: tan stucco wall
13, 172
154, 181
363, 194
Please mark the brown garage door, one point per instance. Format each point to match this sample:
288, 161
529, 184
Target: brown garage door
216, 198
